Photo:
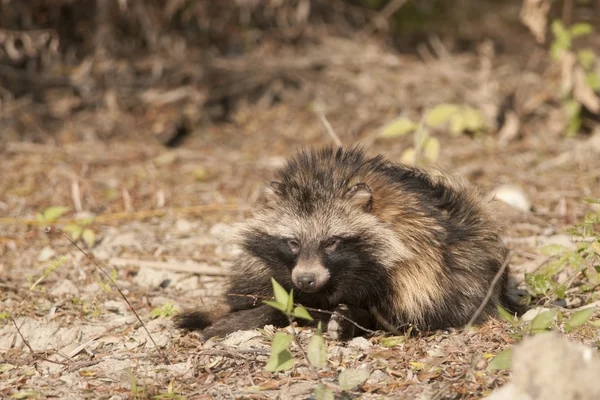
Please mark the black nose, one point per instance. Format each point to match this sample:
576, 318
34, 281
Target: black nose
306, 281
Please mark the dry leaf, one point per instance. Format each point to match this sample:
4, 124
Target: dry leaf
583, 92
534, 15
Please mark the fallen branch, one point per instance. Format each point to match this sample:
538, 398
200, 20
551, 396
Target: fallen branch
120, 216
191, 268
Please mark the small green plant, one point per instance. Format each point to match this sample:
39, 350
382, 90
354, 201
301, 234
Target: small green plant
579, 67
49, 270
107, 286
458, 118
167, 310
82, 230
92, 309
170, 394
316, 352
542, 322
50, 215
138, 393
281, 357
582, 264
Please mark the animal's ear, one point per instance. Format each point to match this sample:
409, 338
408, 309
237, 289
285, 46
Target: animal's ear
272, 193
361, 196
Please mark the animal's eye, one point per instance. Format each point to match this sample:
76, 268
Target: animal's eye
331, 244
294, 245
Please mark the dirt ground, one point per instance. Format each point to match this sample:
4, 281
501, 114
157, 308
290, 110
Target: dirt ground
163, 218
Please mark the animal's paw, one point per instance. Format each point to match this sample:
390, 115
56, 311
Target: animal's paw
338, 327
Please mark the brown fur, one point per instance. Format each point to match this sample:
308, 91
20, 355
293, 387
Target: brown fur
420, 248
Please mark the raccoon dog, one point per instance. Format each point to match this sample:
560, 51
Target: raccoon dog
356, 234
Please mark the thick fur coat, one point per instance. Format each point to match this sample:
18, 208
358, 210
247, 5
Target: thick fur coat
343, 228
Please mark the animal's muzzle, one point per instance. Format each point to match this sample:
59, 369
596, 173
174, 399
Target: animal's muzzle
307, 282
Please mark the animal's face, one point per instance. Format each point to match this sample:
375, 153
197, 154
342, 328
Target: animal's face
316, 250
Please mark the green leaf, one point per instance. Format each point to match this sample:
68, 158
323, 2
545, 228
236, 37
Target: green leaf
156, 312
165, 159
408, 156
274, 304
322, 393
300, 312
281, 296
580, 317
398, 127
281, 341
539, 283
562, 36
75, 230
473, 119
316, 350
290, 303
542, 321
580, 29
587, 58
392, 341
351, 378
592, 79
281, 358
25, 394
501, 361
457, 125
440, 114
89, 237
553, 250
556, 48
592, 200
505, 315
417, 365
53, 213
595, 323
432, 149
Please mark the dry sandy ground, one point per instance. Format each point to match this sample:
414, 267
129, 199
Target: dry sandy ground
162, 224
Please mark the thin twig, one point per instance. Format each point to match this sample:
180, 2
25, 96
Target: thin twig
385, 323
31, 349
318, 310
191, 268
52, 230
383, 15
490, 290
330, 130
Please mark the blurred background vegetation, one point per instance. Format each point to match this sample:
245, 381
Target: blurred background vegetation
74, 70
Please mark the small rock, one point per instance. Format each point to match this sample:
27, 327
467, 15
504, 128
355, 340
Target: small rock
240, 337
548, 367
187, 284
220, 230
46, 254
92, 287
514, 196
183, 226
377, 376
64, 288
360, 343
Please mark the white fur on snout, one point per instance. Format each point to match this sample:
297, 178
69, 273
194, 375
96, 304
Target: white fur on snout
321, 273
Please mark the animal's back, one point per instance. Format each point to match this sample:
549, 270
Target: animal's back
418, 247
